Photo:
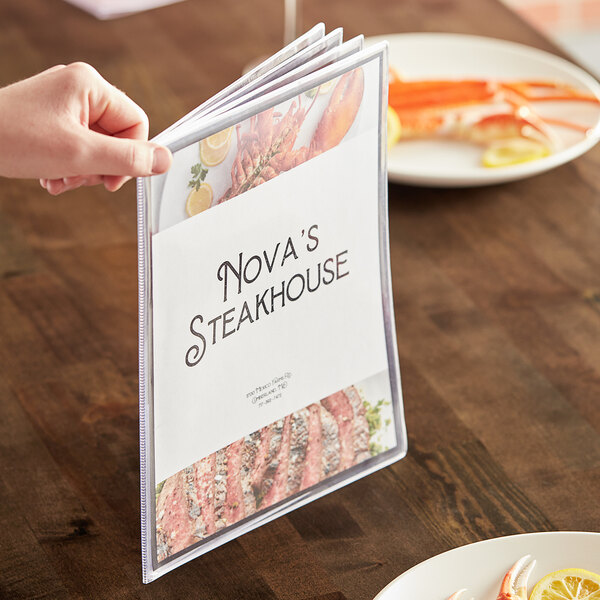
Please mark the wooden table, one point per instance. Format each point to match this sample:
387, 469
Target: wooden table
497, 295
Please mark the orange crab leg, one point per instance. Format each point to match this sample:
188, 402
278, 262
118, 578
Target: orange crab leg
428, 93
565, 97
516, 104
556, 91
408, 96
514, 583
568, 125
421, 105
568, 94
402, 86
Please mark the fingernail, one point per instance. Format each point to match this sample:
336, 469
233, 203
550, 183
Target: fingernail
161, 160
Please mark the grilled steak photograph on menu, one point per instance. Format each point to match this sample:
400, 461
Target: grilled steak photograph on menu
267, 466
268, 365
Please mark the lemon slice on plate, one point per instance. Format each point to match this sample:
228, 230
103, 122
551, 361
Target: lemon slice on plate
199, 200
504, 153
214, 148
568, 584
394, 127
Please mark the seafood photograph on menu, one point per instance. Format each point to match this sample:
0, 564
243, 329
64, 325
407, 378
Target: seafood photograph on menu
300, 300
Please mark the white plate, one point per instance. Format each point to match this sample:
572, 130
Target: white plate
457, 164
480, 567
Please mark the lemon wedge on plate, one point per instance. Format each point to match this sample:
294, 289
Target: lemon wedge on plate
199, 200
504, 153
394, 127
568, 584
214, 148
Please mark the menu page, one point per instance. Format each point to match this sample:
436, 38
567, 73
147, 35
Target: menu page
274, 373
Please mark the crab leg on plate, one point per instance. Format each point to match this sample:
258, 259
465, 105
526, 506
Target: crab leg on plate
514, 583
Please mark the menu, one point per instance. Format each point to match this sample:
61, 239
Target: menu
268, 364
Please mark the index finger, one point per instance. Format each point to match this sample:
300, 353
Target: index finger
114, 111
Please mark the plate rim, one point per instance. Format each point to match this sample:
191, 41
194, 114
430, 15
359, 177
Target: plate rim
510, 173
558, 533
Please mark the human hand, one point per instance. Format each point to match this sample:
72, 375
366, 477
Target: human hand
69, 127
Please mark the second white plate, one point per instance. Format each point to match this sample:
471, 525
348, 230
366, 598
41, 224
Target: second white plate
479, 567
442, 163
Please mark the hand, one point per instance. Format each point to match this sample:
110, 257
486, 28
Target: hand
69, 127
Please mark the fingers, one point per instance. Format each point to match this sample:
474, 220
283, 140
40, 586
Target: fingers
107, 134
118, 159
125, 157
116, 133
114, 182
59, 186
54, 187
112, 110
112, 113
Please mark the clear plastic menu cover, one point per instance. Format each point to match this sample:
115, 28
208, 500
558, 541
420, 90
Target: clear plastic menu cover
268, 365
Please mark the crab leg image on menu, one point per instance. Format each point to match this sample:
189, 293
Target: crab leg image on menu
267, 144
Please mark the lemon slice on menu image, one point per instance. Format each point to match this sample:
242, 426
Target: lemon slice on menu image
504, 153
214, 148
199, 200
323, 89
568, 584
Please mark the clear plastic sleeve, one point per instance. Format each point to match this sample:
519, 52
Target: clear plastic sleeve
268, 365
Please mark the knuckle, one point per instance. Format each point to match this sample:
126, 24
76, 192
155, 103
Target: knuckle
81, 68
77, 72
144, 121
131, 157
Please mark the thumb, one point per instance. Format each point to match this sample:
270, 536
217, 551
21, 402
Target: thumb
108, 155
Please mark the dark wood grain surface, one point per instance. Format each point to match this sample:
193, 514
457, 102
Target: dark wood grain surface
497, 297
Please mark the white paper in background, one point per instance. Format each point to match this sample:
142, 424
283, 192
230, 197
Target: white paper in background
111, 9
320, 343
